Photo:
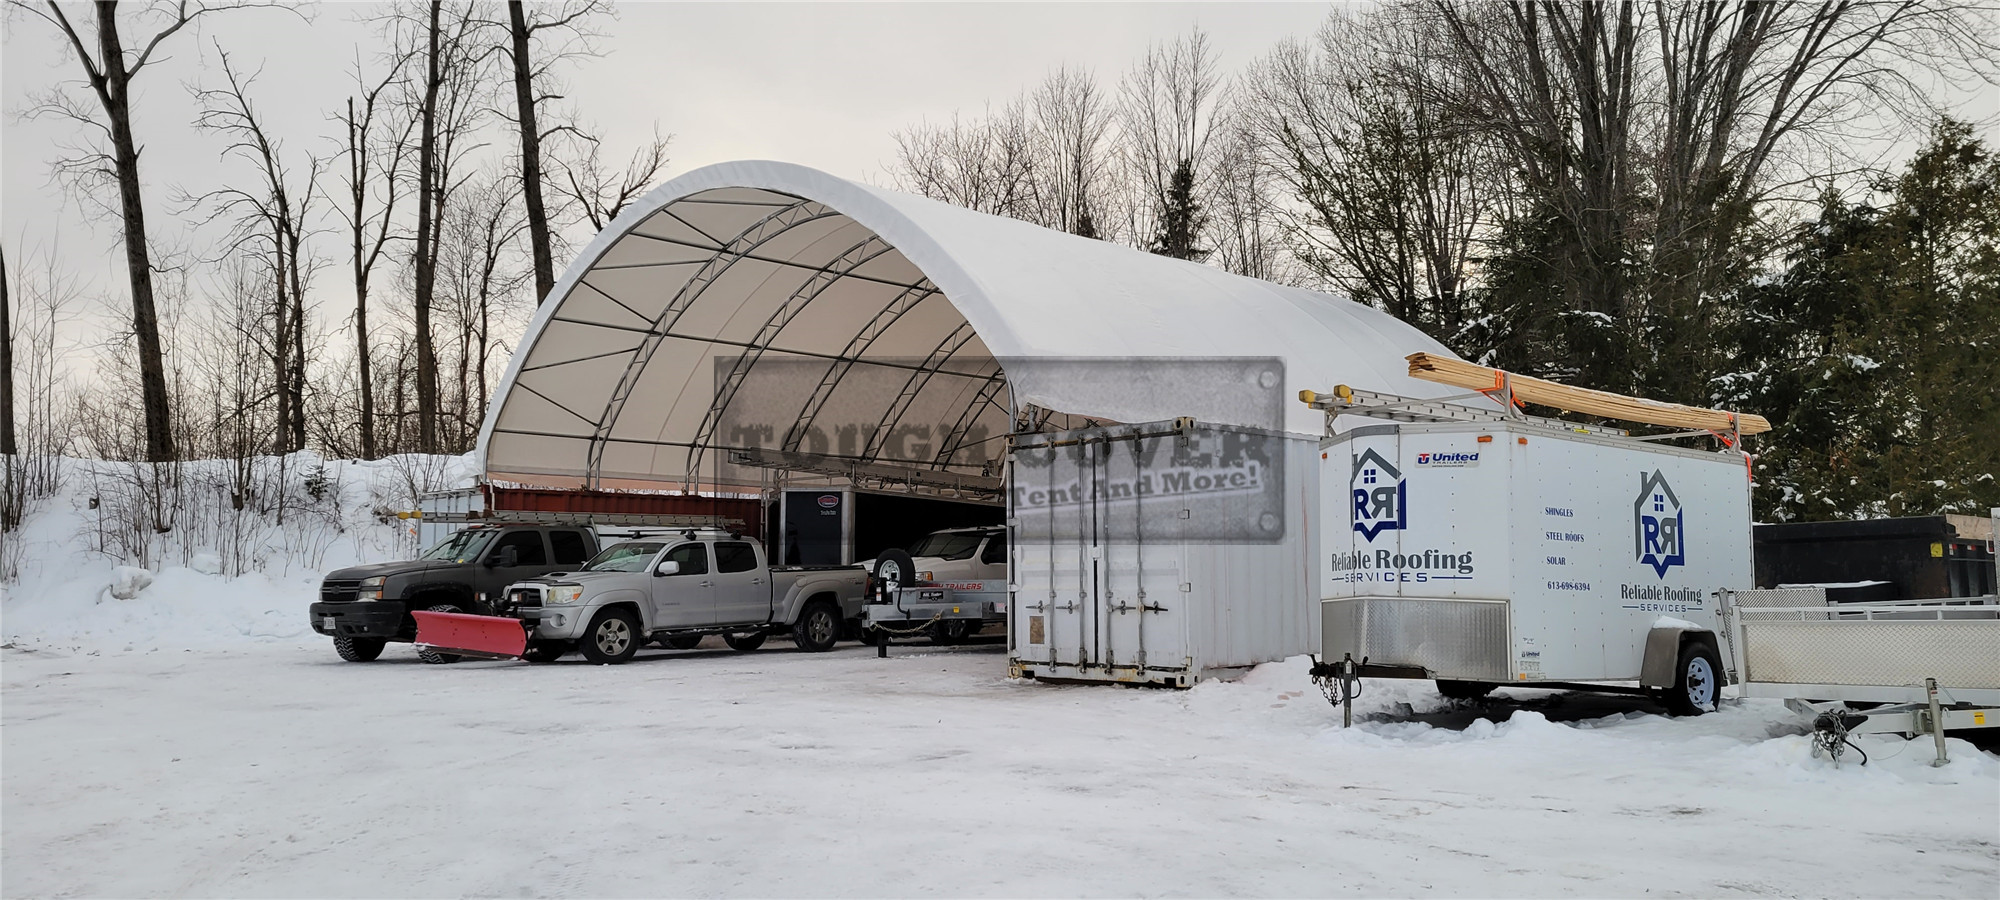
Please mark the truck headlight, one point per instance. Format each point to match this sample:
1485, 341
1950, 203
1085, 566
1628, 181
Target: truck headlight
925, 576
565, 594
371, 588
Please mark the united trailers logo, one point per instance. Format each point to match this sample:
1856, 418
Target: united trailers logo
1446, 459
1659, 527
1380, 495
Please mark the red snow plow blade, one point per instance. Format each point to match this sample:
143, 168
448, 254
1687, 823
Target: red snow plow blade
493, 637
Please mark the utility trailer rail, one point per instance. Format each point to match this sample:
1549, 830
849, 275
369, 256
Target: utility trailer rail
1937, 663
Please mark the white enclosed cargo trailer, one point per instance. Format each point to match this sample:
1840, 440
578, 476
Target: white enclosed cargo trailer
1163, 553
1478, 549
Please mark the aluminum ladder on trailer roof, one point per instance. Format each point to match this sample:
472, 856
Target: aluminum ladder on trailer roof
1353, 401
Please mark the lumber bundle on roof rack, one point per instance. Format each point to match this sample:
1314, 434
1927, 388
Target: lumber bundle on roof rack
1459, 373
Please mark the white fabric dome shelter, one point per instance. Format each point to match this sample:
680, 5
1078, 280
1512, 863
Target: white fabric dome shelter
763, 304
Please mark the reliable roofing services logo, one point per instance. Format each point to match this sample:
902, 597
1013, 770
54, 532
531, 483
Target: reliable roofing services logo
1380, 496
1659, 526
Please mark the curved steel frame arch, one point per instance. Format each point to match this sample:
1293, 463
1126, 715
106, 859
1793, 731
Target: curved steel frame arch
854, 257
849, 355
727, 255
914, 385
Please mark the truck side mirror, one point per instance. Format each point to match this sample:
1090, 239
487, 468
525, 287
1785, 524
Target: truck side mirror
503, 558
668, 568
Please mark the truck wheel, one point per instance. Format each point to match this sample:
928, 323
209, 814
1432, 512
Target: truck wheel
612, 637
682, 641
544, 651
1697, 680
818, 627
354, 649
893, 569
744, 641
432, 656
1465, 690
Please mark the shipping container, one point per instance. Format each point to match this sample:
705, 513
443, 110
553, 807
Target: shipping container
1162, 553
1919, 557
1522, 550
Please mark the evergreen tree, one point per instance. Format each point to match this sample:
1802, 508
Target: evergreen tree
1877, 352
1183, 218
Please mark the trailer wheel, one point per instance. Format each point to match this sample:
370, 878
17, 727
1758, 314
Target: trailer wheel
1465, 690
682, 641
1697, 680
354, 649
431, 655
818, 627
612, 638
744, 641
544, 651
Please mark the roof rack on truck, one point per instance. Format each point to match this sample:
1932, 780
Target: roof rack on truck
439, 513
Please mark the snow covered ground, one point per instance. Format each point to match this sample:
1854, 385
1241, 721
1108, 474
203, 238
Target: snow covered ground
273, 769
179, 731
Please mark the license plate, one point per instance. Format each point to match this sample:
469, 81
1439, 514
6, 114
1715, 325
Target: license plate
327, 621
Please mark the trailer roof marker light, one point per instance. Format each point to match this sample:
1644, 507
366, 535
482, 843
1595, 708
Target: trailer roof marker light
1486, 439
1522, 441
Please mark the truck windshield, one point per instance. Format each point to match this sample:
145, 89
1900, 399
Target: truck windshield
630, 556
461, 547
948, 545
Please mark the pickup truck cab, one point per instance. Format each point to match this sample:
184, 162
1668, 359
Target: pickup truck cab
363, 608
676, 590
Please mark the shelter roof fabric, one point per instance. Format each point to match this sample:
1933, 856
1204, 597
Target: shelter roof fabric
763, 304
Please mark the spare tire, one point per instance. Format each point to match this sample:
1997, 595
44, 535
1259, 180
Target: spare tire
893, 569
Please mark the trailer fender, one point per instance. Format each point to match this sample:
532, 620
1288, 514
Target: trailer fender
1663, 653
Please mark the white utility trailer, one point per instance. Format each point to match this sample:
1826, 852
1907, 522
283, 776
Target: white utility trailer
1479, 548
1908, 667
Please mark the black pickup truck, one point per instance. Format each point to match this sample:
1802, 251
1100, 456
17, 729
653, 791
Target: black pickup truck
364, 607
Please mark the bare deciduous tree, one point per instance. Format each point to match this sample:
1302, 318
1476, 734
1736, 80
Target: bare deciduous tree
526, 29
272, 221
598, 192
1393, 201
109, 68
376, 153
1070, 121
1647, 133
982, 164
443, 97
1170, 101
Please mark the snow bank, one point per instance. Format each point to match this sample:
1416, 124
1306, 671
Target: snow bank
179, 608
223, 576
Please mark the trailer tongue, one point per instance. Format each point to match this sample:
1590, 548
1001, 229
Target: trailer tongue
486, 637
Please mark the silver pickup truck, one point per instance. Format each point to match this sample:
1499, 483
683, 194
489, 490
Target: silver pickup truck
675, 591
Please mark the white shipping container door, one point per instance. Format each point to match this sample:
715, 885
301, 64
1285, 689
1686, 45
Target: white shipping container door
1098, 561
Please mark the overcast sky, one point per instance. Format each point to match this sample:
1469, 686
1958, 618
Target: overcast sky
820, 84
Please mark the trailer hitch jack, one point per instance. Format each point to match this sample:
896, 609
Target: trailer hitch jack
1341, 683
